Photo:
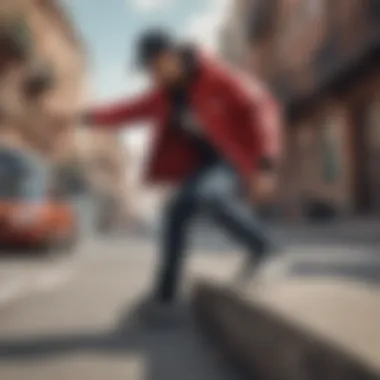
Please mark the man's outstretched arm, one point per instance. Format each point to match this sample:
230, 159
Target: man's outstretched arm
125, 111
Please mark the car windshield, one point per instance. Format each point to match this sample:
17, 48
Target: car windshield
21, 177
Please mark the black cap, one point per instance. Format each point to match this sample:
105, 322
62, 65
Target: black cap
151, 44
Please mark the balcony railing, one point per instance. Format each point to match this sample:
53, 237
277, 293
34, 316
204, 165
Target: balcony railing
336, 56
337, 53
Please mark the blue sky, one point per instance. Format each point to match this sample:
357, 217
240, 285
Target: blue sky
109, 28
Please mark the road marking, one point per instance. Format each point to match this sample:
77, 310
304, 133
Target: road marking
12, 290
54, 279
40, 282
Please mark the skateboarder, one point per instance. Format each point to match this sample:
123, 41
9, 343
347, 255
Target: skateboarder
216, 137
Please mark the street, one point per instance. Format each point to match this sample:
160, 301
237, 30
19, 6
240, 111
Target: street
69, 317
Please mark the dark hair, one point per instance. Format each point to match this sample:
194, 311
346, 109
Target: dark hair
152, 43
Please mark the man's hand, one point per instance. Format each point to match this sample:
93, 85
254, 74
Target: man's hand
263, 187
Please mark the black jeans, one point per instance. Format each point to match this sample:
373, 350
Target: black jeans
215, 190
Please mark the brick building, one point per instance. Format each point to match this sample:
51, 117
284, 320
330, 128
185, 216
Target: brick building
321, 59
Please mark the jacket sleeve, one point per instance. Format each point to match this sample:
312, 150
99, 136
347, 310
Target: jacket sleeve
125, 111
252, 100
267, 119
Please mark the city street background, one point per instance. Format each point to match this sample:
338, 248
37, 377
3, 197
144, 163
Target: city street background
79, 228
70, 316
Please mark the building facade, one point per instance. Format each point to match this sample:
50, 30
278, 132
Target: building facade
41, 75
42, 87
320, 58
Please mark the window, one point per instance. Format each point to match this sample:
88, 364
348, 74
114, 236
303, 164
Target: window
19, 33
330, 153
69, 179
314, 8
261, 17
40, 80
373, 120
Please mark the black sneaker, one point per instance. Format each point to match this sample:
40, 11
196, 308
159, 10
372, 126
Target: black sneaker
247, 271
253, 267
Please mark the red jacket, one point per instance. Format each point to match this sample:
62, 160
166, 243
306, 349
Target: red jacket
237, 115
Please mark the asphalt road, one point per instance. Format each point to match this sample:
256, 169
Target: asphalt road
69, 317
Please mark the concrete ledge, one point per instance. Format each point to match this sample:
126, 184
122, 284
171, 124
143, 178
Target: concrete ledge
269, 346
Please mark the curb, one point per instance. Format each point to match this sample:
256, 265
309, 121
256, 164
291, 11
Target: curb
266, 346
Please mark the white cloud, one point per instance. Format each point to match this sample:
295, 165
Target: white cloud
204, 28
151, 5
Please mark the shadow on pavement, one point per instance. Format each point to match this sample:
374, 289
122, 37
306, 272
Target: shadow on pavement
174, 352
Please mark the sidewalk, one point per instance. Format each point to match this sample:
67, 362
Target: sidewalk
359, 231
306, 317
356, 232
344, 233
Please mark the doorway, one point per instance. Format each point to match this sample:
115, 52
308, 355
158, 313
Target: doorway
361, 158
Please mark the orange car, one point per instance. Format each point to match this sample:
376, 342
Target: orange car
30, 216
